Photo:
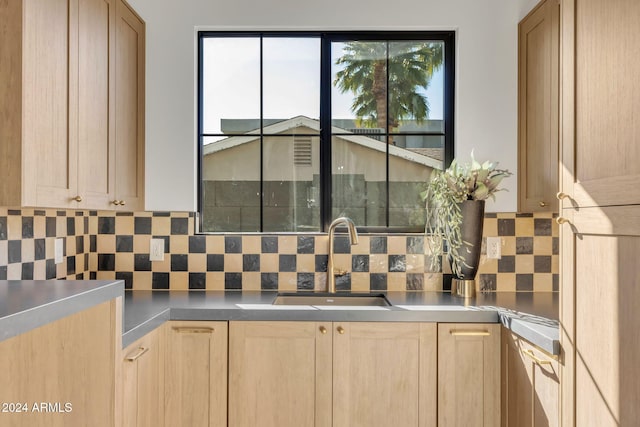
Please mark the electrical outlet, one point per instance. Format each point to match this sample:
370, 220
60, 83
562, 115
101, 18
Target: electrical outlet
494, 247
58, 251
156, 250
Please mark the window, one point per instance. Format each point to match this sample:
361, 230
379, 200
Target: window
296, 129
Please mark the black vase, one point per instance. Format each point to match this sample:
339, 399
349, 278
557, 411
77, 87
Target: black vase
464, 284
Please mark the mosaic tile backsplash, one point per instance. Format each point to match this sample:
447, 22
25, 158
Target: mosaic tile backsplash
109, 245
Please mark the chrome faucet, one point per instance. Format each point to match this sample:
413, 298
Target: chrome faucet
353, 238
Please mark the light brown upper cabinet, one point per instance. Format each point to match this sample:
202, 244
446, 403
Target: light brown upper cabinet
538, 108
129, 109
71, 104
601, 102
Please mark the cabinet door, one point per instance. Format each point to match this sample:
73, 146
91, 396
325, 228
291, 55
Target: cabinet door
49, 175
538, 104
468, 375
129, 108
94, 87
196, 374
63, 371
530, 384
384, 374
279, 374
11, 65
600, 333
142, 371
600, 102
517, 384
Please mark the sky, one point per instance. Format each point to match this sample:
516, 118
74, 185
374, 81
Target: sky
291, 78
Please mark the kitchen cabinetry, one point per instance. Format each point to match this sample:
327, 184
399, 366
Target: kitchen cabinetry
600, 235
67, 104
142, 381
38, 154
129, 109
62, 373
530, 384
538, 108
468, 374
91, 89
196, 374
324, 373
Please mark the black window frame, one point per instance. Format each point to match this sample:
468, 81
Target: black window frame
326, 38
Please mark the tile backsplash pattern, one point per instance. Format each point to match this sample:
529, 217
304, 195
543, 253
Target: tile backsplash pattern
115, 245
529, 253
27, 241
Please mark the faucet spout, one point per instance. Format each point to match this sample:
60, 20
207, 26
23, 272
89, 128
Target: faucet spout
353, 238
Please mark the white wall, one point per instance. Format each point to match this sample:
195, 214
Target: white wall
486, 75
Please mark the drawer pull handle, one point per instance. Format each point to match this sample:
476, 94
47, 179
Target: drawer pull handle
188, 330
469, 333
141, 351
535, 358
340, 330
78, 199
542, 204
323, 330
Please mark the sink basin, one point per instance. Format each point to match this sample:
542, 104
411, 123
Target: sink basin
328, 299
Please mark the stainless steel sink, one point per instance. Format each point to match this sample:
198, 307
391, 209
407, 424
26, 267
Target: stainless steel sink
330, 299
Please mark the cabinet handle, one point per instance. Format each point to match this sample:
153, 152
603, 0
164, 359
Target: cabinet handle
78, 199
141, 351
560, 220
122, 203
535, 358
562, 195
115, 202
542, 204
340, 330
469, 333
323, 330
188, 330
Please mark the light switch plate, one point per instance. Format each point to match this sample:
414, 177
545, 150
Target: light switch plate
59, 251
156, 250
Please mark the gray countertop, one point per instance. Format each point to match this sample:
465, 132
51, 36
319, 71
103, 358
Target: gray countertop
28, 304
533, 316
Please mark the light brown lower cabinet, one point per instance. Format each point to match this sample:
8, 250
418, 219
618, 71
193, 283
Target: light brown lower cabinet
62, 374
530, 384
332, 374
142, 381
468, 375
196, 374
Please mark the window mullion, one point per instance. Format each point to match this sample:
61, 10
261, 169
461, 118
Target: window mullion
325, 133
261, 134
388, 129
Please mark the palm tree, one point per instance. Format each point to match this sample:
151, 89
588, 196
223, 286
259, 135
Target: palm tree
364, 72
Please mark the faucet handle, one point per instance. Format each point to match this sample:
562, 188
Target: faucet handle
339, 272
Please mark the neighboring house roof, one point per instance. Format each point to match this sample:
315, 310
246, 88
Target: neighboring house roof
428, 156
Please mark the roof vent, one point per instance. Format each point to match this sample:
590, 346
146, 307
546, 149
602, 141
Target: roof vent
302, 151
373, 133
